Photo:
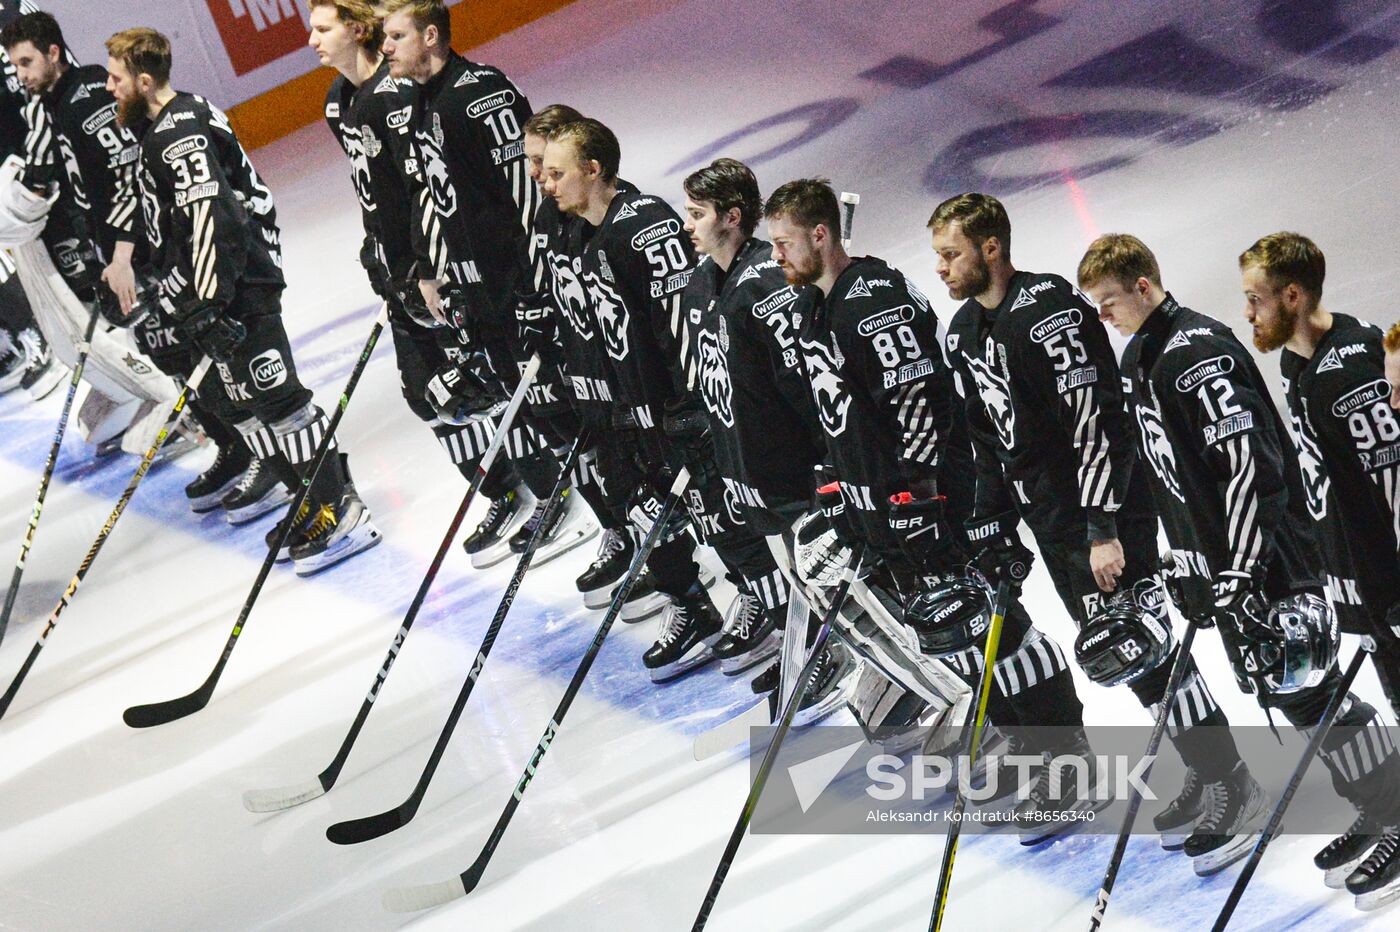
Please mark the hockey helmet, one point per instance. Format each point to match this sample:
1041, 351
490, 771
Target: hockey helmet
951, 613
1295, 646
1127, 638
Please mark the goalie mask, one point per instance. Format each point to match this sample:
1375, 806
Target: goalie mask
1128, 638
952, 614
1295, 646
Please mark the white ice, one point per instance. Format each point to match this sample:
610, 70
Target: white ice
103, 827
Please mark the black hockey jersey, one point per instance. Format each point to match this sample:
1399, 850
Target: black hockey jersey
1225, 480
882, 387
373, 124
558, 241
210, 221
1348, 440
467, 136
12, 93
633, 269
1045, 409
77, 139
743, 326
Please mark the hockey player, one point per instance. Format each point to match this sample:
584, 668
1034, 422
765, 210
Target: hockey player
632, 261
1054, 447
1348, 445
559, 321
81, 147
473, 260
883, 391
212, 228
1246, 554
25, 360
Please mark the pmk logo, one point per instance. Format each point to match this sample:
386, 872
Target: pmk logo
257, 32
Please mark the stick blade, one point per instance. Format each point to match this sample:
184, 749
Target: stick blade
354, 831
733, 732
282, 797
412, 899
159, 713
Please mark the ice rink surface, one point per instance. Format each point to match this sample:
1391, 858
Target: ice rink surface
1198, 126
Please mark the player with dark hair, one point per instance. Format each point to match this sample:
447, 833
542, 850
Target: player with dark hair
212, 229
1245, 546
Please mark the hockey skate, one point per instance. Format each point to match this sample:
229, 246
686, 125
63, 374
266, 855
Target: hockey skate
688, 635
1175, 823
13, 364
645, 600
825, 692
1047, 810
750, 636
489, 544
208, 489
41, 374
336, 533
299, 524
1377, 881
257, 493
571, 527
1345, 853
1222, 836
599, 581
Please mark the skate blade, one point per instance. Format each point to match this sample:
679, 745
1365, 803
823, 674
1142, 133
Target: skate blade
566, 539
1336, 878
643, 608
496, 553
1213, 862
357, 541
210, 502
700, 655
47, 382
1173, 840
275, 498
1366, 902
733, 666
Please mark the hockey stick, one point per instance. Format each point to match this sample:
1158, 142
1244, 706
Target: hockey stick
48, 474
159, 713
1159, 727
977, 715
287, 796
354, 831
1324, 725
408, 899
178, 409
736, 837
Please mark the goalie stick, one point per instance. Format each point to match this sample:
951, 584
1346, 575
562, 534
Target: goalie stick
48, 474
408, 899
354, 831
271, 800
175, 412
159, 713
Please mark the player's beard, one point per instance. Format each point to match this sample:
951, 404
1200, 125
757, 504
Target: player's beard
976, 282
131, 110
809, 274
1271, 337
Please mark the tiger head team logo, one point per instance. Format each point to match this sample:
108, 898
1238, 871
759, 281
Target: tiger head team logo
715, 387
439, 184
992, 387
611, 315
828, 389
1156, 448
571, 296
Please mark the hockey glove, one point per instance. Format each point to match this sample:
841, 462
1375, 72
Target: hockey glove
379, 281
538, 326
464, 392
687, 430
464, 308
209, 328
922, 530
999, 552
409, 298
644, 507
821, 553
1238, 600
